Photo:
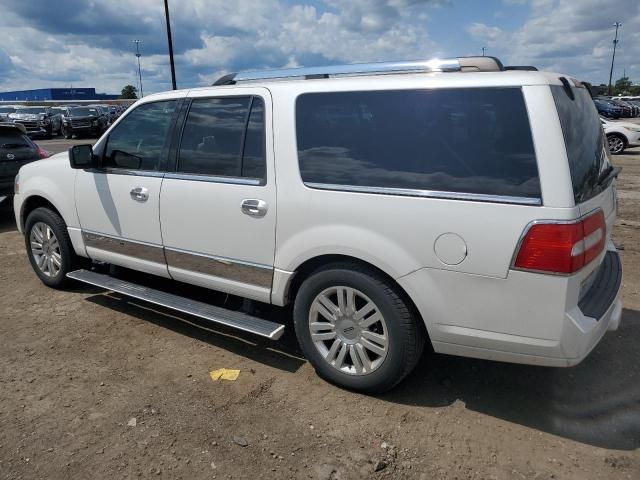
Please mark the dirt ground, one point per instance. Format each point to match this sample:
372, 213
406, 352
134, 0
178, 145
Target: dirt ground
95, 386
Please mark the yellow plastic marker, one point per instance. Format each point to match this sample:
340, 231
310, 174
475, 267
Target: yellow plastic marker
224, 374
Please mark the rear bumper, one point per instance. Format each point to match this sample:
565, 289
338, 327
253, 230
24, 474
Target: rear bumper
503, 311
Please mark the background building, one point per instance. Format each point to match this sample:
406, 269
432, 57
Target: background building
55, 94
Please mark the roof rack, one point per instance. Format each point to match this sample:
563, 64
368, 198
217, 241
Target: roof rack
460, 64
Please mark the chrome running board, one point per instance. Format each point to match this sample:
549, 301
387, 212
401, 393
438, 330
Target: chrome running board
222, 316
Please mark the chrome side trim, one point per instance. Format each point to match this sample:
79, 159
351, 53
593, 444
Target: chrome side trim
407, 192
213, 179
132, 248
236, 270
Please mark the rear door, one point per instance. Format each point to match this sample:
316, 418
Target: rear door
218, 207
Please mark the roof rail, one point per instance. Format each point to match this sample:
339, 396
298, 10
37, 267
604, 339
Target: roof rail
460, 64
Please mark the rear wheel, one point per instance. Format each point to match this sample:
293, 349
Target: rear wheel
617, 143
356, 329
49, 247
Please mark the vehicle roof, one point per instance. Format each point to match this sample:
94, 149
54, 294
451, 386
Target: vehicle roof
388, 82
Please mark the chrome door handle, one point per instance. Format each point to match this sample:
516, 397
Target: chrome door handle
254, 207
140, 194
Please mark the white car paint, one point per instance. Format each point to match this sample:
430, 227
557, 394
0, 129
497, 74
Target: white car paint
630, 131
479, 307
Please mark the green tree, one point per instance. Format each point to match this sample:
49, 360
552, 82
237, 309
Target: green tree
622, 86
129, 92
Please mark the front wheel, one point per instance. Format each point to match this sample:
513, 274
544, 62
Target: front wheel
67, 132
356, 329
616, 143
49, 247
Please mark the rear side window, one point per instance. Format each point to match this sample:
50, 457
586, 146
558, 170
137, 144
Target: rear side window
475, 141
583, 138
224, 137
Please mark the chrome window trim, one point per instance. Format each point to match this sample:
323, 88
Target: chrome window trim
126, 171
215, 179
222, 267
408, 192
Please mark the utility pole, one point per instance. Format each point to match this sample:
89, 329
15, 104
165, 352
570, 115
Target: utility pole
613, 58
483, 51
173, 67
137, 42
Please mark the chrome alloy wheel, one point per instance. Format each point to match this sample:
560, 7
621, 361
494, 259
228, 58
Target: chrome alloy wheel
616, 144
45, 249
348, 330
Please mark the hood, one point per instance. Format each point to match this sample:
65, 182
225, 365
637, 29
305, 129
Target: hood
27, 116
81, 117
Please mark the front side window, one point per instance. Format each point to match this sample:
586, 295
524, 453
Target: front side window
475, 141
224, 137
138, 141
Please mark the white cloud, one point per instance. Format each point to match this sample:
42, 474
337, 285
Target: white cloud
570, 37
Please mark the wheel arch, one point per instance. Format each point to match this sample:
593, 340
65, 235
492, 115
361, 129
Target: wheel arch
33, 202
308, 267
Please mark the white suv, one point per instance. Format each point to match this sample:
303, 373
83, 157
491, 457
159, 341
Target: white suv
457, 202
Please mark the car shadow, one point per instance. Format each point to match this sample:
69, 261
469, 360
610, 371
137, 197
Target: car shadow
283, 354
596, 402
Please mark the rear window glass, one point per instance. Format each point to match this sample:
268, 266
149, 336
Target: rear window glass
13, 140
474, 141
584, 140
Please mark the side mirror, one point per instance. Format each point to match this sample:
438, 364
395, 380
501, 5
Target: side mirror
82, 157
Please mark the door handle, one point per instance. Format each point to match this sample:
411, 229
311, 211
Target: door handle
140, 194
254, 207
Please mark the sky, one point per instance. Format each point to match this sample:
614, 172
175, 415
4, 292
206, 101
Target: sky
89, 43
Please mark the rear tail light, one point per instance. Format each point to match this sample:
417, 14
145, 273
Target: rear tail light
42, 153
562, 248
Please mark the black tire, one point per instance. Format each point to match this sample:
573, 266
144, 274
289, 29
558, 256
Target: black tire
406, 334
617, 143
67, 132
69, 260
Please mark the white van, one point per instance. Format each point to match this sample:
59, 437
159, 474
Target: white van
456, 202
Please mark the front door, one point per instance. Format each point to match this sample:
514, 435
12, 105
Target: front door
218, 207
119, 204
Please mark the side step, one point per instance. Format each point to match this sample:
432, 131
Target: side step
230, 318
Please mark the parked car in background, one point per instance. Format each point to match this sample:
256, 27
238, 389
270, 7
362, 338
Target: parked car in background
627, 109
83, 121
621, 135
38, 121
16, 150
5, 111
412, 205
106, 111
607, 109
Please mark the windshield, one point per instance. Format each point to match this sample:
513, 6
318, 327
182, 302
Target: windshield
83, 112
7, 109
584, 140
32, 110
